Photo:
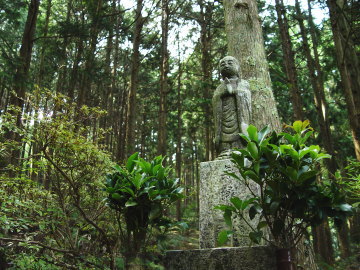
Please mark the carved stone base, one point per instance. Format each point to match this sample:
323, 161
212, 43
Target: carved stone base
216, 188
244, 258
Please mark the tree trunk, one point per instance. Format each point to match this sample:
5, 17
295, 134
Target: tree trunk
178, 135
322, 243
344, 241
123, 99
61, 81
289, 60
74, 77
114, 88
348, 63
135, 64
245, 42
205, 20
17, 98
316, 78
164, 68
107, 92
40, 77
87, 78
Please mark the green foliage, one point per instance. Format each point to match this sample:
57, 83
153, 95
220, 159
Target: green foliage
140, 191
291, 198
349, 180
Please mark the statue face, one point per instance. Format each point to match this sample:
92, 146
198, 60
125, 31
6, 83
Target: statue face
229, 67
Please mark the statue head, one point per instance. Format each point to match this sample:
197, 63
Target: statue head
229, 67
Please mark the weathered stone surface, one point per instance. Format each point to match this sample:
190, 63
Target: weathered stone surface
244, 258
216, 188
231, 105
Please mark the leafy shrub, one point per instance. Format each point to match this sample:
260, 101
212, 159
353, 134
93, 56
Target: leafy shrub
291, 198
140, 193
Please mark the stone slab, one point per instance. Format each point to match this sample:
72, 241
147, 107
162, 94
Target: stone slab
241, 258
216, 187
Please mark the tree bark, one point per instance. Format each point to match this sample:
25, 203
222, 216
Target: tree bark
245, 42
40, 77
179, 134
316, 78
90, 57
348, 63
205, 21
164, 69
135, 64
63, 70
289, 61
322, 242
17, 97
344, 241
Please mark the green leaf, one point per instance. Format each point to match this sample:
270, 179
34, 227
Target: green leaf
130, 164
238, 159
247, 202
233, 175
306, 137
145, 166
253, 134
305, 125
345, 207
261, 225
155, 169
116, 196
256, 165
130, 203
306, 175
291, 173
253, 150
262, 134
118, 168
223, 237
227, 217
298, 126
252, 176
289, 138
253, 211
245, 138
256, 236
110, 190
303, 152
274, 207
237, 202
128, 190
161, 173
321, 156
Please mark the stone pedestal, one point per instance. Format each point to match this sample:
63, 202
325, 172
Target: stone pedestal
245, 258
216, 188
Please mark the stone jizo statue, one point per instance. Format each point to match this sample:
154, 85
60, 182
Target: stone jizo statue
232, 107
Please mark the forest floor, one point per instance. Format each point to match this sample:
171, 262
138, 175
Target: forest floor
183, 241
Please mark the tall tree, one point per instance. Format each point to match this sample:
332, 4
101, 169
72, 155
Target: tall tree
321, 234
245, 42
21, 75
206, 22
164, 69
95, 9
135, 63
63, 69
289, 60
348, 63
40, 75
317, 82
